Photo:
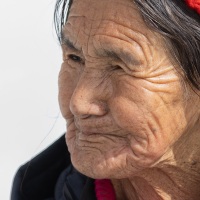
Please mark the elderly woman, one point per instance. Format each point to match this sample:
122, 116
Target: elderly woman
129, 89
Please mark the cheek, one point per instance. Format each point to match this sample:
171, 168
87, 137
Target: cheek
150, 113
66, 85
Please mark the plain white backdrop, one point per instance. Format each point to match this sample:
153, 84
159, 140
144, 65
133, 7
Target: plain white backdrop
30, 59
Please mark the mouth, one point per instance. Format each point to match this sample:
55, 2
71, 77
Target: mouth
97, 137
87, 133
88, 136
94, 130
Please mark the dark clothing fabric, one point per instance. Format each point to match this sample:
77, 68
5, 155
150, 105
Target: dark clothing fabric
51, 176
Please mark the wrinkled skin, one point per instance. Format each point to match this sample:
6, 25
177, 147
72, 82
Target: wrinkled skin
123, 99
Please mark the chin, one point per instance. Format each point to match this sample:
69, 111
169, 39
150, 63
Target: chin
98, 165
94, 165
102, 159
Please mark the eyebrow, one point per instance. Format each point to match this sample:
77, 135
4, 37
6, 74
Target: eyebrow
123, 56
66, 41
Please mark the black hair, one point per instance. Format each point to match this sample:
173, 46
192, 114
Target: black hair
61, 13
179, 25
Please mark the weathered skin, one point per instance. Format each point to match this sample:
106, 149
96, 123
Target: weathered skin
128, 112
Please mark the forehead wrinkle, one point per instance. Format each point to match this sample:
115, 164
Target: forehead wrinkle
72, 31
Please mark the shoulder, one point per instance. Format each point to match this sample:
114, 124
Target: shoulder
37, 178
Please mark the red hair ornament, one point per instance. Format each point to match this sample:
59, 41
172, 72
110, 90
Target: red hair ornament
194, 4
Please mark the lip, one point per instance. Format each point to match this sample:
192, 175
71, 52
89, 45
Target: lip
95, 125
88, 133
88, 136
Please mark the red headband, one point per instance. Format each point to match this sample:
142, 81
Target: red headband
194, 4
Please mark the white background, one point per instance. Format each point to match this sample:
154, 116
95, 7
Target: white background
30, 58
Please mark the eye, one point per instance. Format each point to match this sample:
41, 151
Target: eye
75, 58
117, 67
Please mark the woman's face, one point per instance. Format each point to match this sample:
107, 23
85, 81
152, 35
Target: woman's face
118, 91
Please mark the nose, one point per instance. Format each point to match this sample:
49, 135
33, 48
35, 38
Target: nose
88, 98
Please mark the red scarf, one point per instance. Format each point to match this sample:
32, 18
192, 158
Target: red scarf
104, 189
194, 4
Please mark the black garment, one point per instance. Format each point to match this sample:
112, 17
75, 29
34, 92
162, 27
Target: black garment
51, 176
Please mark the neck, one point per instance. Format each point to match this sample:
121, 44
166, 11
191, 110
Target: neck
175, 176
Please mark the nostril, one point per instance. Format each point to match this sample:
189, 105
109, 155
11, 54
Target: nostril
84, 116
